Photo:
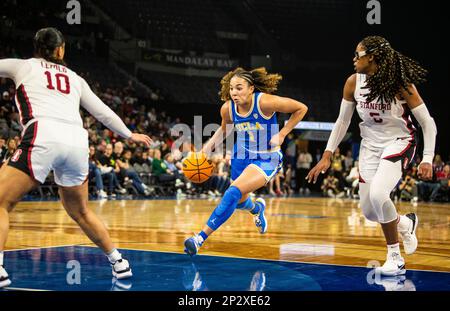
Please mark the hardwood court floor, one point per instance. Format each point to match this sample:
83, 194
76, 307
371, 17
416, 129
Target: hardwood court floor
316, 230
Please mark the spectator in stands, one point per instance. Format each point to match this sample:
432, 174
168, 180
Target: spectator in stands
303, 166
286, 184
425, 188
337, 164
291, 149
11, 148
127, 171
330, 186
352, 180
95, 172
441, 188
3, 149
159, 168
408, 187
110, 169
174, 170
348, 161
277, 182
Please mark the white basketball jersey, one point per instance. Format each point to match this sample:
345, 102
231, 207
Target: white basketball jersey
47, 90
382, 123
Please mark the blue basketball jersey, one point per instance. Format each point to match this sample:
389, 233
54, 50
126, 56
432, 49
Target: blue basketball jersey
254, 130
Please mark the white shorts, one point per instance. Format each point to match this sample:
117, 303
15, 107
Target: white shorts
370, 157
50, 145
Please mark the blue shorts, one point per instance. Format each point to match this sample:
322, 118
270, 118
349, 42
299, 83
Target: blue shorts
269, 164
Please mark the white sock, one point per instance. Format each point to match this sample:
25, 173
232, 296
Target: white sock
394, 248
1, 258
114, 256
404, 223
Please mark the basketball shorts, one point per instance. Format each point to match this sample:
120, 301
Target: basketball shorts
370, 157
269, 164
53, 146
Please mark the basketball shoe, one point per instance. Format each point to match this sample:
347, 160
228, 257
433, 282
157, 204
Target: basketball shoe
121, 269
192, 245
394, 265
4, 278
408, 233
260, 218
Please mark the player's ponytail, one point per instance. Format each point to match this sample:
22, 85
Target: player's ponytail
395, 70
259, 78
46, 41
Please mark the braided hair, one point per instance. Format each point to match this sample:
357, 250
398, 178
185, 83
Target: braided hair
395, 71
259, 78
46, 41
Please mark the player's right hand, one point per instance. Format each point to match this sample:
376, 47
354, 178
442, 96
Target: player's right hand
141, 138
320, 167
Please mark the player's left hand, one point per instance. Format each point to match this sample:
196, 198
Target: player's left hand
141, 138
277, 140
425, 171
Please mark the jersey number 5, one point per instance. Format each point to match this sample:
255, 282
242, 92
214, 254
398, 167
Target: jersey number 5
375, 116
62, 82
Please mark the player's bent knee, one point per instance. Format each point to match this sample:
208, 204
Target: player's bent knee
377, 197
78, 214
369, 213
230, 198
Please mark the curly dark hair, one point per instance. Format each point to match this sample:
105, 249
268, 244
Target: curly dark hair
259, 78
395, 71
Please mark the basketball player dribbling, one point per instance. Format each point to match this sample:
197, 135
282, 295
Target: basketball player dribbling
384, 94
251, 109
48, 98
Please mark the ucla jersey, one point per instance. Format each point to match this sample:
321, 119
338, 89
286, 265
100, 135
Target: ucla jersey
254, 130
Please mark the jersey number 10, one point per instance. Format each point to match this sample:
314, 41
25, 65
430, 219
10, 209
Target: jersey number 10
62, 82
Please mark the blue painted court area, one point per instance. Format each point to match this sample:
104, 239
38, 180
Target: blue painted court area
56, 269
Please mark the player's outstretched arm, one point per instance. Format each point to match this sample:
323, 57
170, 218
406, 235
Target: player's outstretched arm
106, 116
222, 132
340, 128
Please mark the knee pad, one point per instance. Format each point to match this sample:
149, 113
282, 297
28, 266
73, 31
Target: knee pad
230, 198
225, 209
383, 206
388, 212
364, 201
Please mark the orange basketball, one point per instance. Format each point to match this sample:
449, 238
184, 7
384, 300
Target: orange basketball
197, 167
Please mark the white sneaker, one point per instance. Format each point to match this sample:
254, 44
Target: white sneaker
121, 269
4, 278
409, 234
394, 265
102, 194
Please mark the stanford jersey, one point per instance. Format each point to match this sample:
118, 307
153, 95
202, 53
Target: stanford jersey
382, 123
48, 97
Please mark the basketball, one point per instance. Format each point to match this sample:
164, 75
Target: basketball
197, 167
